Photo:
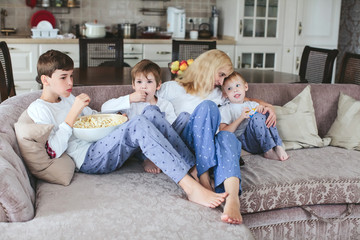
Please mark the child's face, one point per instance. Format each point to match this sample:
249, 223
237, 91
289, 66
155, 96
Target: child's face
60, 82
146, 84
235, 90
221, 74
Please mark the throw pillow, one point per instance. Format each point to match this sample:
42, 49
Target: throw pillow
296, 123
31, 138
345, 131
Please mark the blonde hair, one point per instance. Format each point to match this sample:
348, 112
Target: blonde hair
199, 78
145, 67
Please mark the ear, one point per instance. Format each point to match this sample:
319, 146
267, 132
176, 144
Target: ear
133, 85
158, 87
44, 80
246, 86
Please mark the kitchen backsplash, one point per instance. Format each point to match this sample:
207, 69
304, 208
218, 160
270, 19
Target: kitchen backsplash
108, 12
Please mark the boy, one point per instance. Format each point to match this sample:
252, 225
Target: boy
59, 107
245, 120
146, 80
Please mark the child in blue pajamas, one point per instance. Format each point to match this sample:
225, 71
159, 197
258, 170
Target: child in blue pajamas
244, 118
59, 107
146, 79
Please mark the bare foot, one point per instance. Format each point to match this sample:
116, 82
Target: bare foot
280, 151
205, 181
150, 167
198, 194
271, 154
231, 212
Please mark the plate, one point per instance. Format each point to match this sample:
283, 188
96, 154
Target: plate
45, 25
41, 16
93, 134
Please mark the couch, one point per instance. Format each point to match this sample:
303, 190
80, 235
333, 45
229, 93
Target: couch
313, 195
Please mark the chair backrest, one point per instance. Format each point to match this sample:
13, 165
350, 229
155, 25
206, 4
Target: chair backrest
350, 69
8, 78
101, 52
3, 88
184, 50
317, 64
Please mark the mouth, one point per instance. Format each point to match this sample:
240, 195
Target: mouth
237, 95
69, 90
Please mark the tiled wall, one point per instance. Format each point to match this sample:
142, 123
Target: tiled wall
108, 12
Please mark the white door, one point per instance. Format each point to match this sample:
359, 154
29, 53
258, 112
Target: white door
318, 22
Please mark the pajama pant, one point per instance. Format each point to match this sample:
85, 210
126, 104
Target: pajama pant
258, 138
149, 132
219, 153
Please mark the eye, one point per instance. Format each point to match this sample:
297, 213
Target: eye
229, 88
237, 85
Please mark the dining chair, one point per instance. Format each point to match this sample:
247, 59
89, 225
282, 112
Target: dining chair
6, 78
350, 68
101, 52
317, 64
183, 50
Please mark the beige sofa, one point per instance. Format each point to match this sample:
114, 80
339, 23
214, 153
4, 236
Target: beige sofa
313, 195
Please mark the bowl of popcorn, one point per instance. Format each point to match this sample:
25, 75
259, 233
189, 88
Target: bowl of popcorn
91, 128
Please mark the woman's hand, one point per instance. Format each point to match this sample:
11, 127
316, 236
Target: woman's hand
271, 119
260, 108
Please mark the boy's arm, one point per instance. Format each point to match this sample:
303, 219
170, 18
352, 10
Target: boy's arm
235, 124
268, 108
116, 104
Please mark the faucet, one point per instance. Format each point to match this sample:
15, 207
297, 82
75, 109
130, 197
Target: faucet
3, 14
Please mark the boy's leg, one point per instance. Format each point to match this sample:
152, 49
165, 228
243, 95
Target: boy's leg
180, 122
153, 114
110, 153
257, 138
199, 135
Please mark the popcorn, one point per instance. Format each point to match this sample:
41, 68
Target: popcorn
98, 121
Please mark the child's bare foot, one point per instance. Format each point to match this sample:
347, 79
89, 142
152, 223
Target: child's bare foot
205, 181
231, 212
198, 194
280, 151
271, 154
150, 167
193, 172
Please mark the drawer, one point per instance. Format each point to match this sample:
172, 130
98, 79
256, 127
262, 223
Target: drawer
158, 52
133, 48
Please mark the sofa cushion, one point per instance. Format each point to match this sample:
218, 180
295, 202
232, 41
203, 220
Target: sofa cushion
345, 131
296, 123
32, 138
328, 175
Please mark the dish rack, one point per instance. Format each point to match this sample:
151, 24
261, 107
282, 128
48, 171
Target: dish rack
44, 33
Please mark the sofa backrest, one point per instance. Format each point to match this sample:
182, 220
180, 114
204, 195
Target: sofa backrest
325, 98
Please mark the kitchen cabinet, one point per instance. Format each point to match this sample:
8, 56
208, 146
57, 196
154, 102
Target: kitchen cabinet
70, 49
133, 53
158, 53
229, 50
24, 59
260, 57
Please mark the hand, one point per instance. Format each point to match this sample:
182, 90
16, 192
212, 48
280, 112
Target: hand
138, 96
260, 108
81, 101
245, 113
271, 119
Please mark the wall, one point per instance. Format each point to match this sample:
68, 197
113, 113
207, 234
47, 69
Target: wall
349, 33
108, 12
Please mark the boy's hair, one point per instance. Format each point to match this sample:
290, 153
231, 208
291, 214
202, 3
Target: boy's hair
234, 75
145, 67
199, 77
52, 60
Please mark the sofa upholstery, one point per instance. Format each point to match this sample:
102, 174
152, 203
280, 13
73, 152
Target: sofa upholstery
313, 195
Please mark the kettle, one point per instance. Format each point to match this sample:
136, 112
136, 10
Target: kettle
176, 22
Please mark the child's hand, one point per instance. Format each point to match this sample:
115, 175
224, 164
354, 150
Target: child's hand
81, 101
245, 113
260, 108
138, 96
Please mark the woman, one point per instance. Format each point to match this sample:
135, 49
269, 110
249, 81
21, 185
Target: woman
197, 93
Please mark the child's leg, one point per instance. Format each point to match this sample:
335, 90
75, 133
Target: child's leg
153, 114
180, 122
199, 135
232, 212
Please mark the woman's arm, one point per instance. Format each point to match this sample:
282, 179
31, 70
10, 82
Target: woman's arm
268, 108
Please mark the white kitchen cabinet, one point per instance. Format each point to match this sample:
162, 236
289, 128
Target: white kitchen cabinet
70, 49
158, 53
229, 50
24, 59
260, 57
133, 53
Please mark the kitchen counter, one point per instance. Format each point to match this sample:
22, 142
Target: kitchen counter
28, 40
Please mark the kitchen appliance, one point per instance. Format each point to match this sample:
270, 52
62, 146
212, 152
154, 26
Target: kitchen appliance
176, 21
204, 31
127, 30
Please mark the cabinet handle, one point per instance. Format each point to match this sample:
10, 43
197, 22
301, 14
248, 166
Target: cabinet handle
131, 58
297, 63
12, 48
300, 28
239, 62
241, 27
163, 52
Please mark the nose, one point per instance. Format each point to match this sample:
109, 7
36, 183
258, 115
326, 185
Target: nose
70, 81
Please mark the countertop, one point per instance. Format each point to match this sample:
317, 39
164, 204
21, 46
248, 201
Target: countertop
28, 40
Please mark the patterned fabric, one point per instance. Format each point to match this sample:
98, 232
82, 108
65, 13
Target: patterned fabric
50, 152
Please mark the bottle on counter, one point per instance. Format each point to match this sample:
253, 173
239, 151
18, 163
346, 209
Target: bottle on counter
214, 21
